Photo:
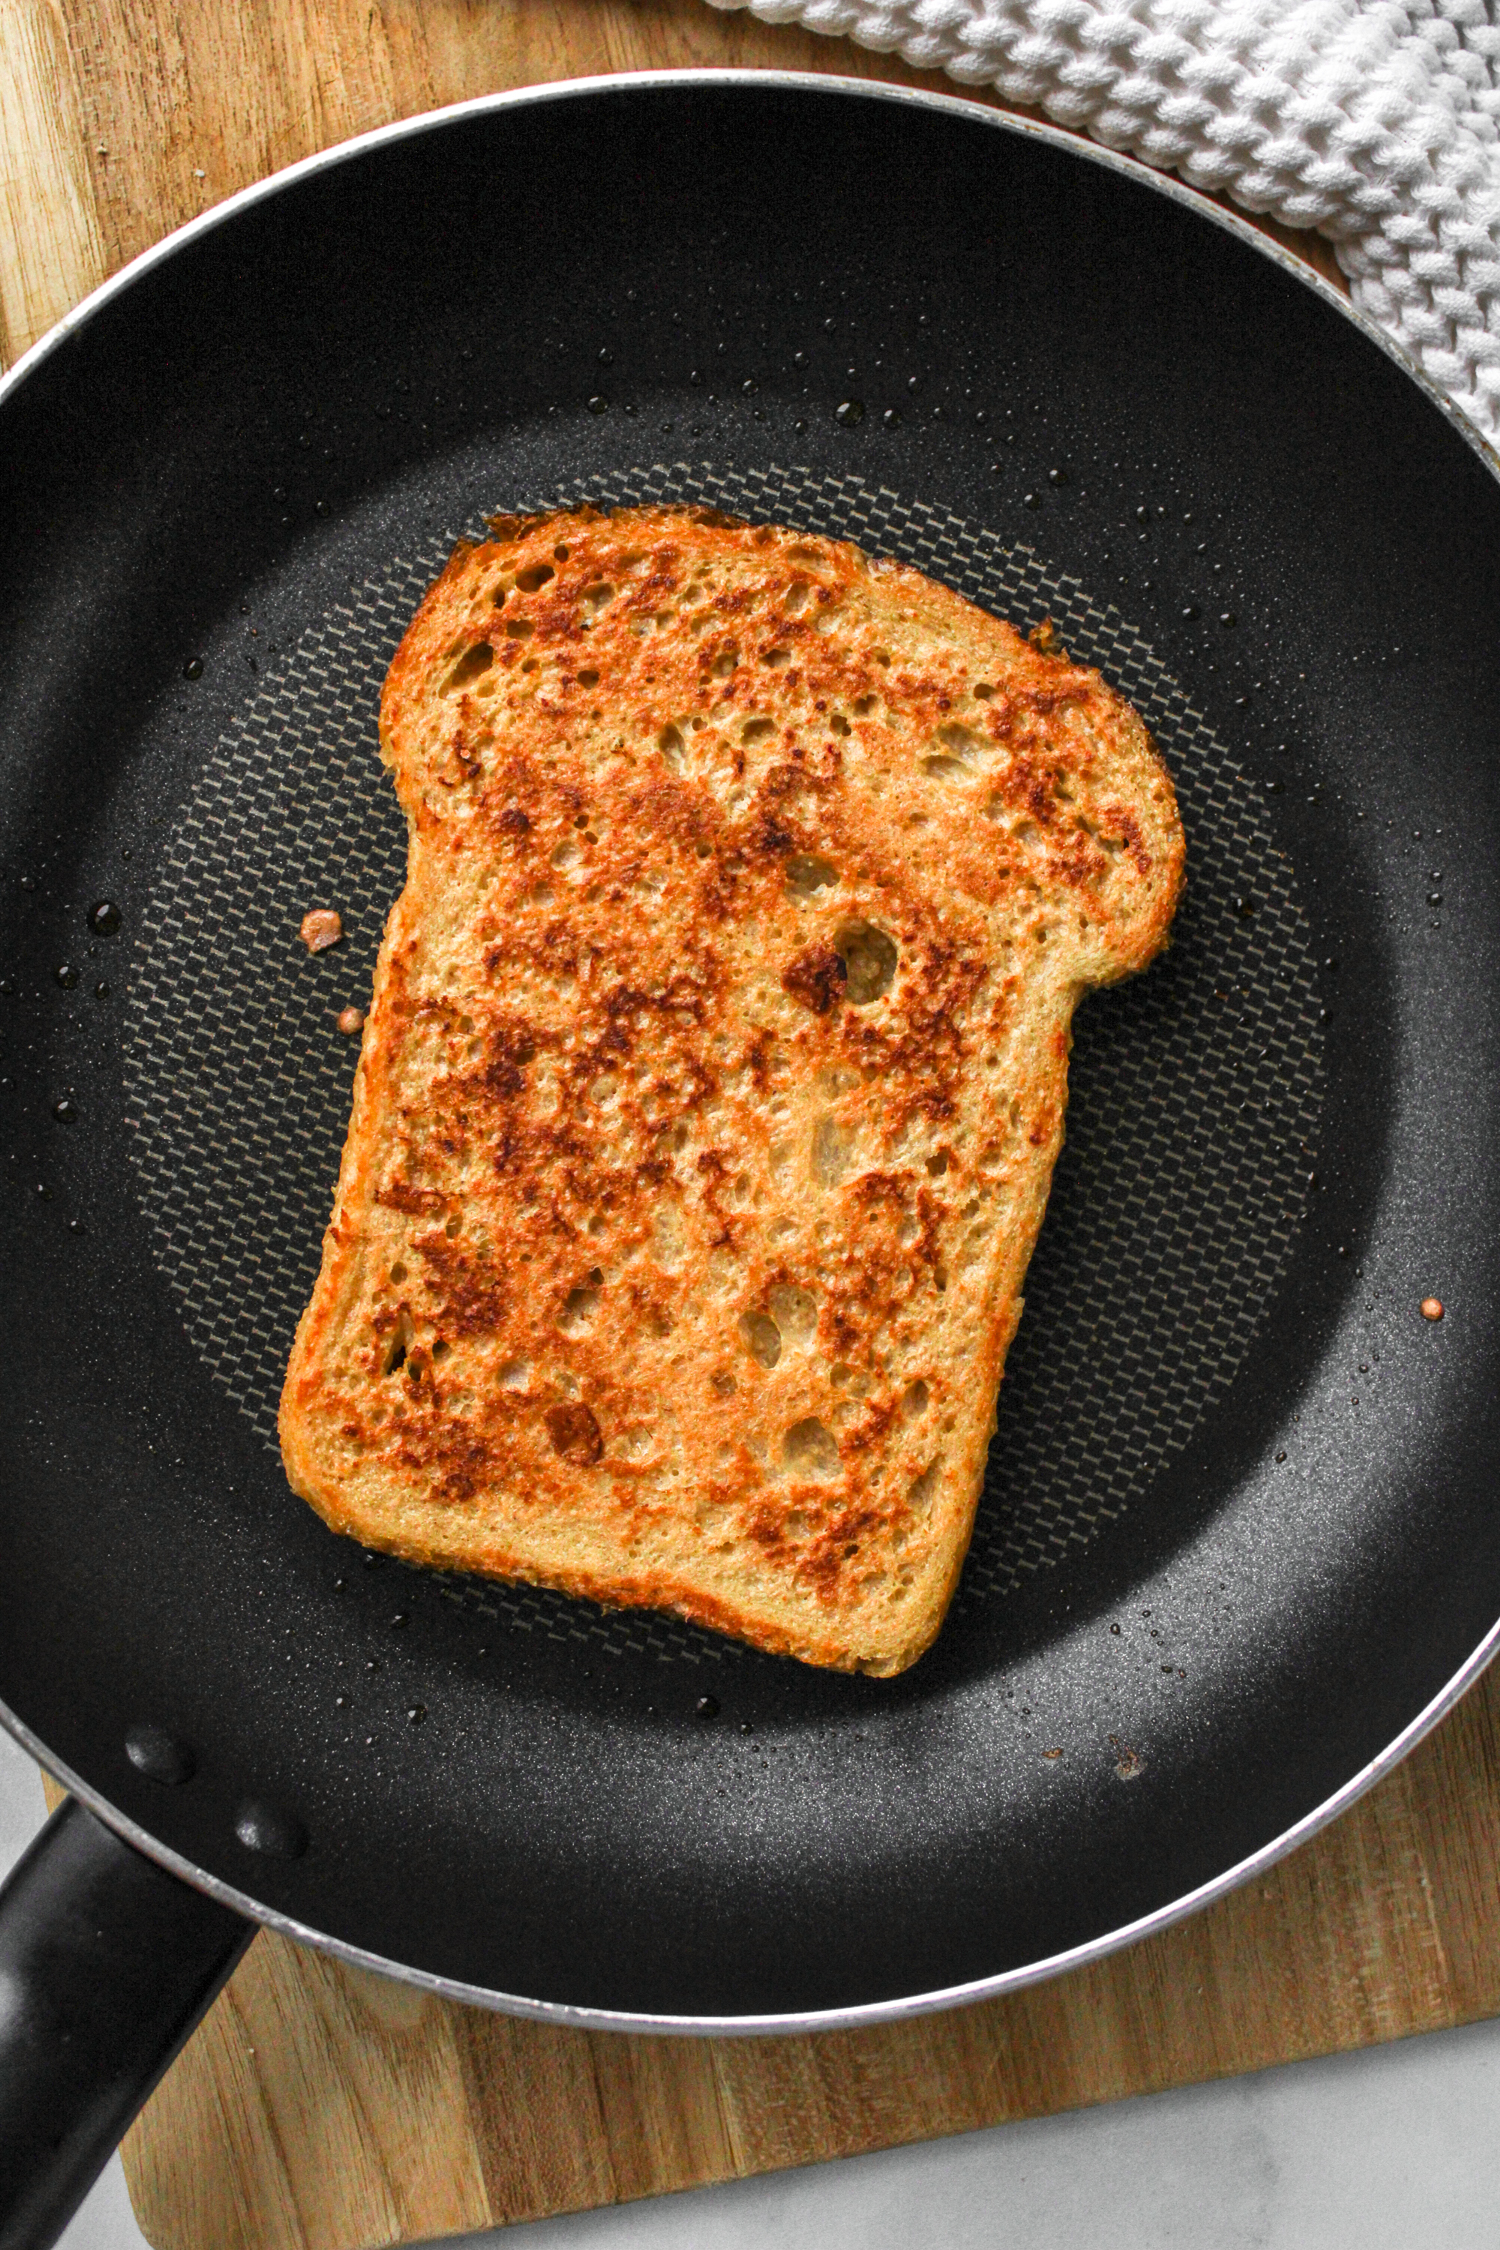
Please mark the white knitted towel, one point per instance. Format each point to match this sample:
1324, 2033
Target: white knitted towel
1375, 121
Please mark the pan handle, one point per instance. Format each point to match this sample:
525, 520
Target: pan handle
107, 1962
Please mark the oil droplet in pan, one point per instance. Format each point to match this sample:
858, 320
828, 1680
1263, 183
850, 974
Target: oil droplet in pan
159, 1755
268, 1828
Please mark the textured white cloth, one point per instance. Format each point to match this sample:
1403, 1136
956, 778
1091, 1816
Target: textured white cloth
1375, 121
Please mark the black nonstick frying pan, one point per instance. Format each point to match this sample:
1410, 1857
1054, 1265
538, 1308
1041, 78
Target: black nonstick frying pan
1240, 1541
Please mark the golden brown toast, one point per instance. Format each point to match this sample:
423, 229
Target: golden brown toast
714, 1073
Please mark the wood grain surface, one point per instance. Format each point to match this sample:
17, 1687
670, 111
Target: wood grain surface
319, 2108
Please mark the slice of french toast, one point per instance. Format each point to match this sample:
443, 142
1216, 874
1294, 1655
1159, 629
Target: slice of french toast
714, 1073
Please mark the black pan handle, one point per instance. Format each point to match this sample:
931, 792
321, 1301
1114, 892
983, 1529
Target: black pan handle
106, 1964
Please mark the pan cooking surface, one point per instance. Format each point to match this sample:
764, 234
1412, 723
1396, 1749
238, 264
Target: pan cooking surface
1196, 1089
1240, 1529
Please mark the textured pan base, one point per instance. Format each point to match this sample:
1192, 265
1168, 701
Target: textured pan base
1169, 1223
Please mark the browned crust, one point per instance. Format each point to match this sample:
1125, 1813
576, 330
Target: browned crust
682, 792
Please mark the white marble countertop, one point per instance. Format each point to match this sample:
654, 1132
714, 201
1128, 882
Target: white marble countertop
1395, 2149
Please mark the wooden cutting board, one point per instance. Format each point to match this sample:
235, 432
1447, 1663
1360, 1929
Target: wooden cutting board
319, 2108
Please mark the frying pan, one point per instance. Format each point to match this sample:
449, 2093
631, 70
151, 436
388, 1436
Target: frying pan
1238, 1546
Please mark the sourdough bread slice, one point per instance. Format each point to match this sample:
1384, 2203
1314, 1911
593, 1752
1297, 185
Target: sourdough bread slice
714, 1073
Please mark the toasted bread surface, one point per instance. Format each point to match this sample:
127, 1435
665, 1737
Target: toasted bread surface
714, 1073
